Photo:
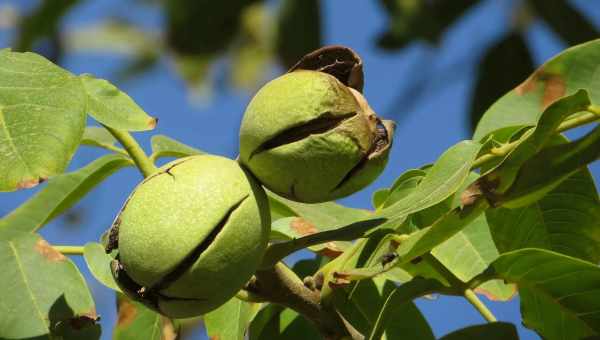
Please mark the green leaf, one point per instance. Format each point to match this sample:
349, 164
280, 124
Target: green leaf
546, 170
488, 331
98, 262
379, 197
318, 217
42, 117
534, 140
503, 67
112, 107
559, 294
61, 193
566, 21
276, 323
299, 234
97, 136
409, 248
163, 146
230, 321
42, 293
402, 186
379, 308
442, 180
566, 220
292, 43
469, 252
574, 69
135, 321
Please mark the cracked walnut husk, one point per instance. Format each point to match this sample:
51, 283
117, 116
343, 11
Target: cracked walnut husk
190, 236
310, 138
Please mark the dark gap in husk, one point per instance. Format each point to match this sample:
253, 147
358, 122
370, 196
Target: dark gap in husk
193, 256
325, 122
336, 60
379, 143
139, 293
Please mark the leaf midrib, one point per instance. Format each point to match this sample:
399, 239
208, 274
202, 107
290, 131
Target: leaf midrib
26, 282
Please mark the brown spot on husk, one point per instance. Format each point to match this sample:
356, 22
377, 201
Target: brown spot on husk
215, 337
127, 312
47, 251
30, 183
303, 227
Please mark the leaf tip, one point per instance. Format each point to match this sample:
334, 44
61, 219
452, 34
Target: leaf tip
152, 122
30, 183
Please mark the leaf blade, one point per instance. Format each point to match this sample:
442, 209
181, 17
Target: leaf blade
61, 193
34, 303
42, 117
112, 107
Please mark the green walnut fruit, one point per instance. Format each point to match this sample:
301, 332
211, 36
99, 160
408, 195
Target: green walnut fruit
190, 236
308, 137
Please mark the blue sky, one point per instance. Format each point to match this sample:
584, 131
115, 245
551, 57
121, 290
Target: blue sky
434, 122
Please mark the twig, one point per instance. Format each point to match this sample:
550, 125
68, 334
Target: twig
135, 151
69, 250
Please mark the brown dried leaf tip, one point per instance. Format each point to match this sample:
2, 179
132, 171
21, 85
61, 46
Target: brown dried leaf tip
336, 60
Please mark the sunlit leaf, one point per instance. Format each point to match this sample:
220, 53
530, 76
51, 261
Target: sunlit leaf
276, 323
42, 293
98, 262
318, 217
42, 117
533, 141
504, 66
230, 321
546, 170
443, 179
135, 321
559, 294
112, 107
469, 252
101, 138
61, 193
163, 146
571, 70
376, 307
566, 220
